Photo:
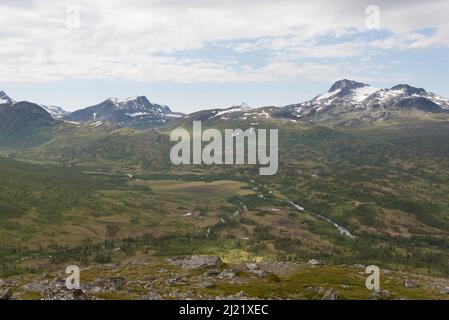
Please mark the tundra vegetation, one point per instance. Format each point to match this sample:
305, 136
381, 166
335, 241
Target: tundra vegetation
92, 196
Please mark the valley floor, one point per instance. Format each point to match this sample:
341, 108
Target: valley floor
345, 196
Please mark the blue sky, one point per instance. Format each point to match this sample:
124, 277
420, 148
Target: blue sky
193, 55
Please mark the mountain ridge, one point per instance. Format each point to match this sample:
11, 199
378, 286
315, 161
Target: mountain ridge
347, 101
355, 103
130, 111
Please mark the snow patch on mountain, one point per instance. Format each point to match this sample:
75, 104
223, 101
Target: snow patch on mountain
442, 102
327, 95
222, 113
55, 112
138, 106
135, 111
362, 93
4, 99
404, 91
348, 96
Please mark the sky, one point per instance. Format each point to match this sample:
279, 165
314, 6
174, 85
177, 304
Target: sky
194, 54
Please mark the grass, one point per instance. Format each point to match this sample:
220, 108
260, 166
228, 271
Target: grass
196, 192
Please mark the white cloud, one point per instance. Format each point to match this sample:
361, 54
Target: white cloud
131, 39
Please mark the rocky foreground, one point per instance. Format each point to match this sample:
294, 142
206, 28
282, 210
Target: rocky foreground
208, 277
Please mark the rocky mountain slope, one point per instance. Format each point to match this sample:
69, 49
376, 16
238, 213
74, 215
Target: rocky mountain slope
55, 112
22, 116
208, 277
359, 101
346, 102
131, 111
241, 112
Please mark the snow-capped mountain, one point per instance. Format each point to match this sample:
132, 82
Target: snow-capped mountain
225, 114
55, 112
347, 97
403, 95
238, 112
135, 110
345, 93
4, 99
138, 106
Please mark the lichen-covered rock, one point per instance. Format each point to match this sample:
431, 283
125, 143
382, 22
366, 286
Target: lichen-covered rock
111, 284
330, 294
5, 294
212, 272
228, 274
381, 294
205, 285
57, 290
151, 296
177, 280
35, 287
259, 273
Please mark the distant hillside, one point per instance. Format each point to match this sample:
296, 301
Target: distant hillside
22, 116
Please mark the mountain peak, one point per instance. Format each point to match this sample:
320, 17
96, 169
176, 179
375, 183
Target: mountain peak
141, 103
126, 110
346, 91
347, 97
408, 89
346, 84
128, 100
242, 106
5, 99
